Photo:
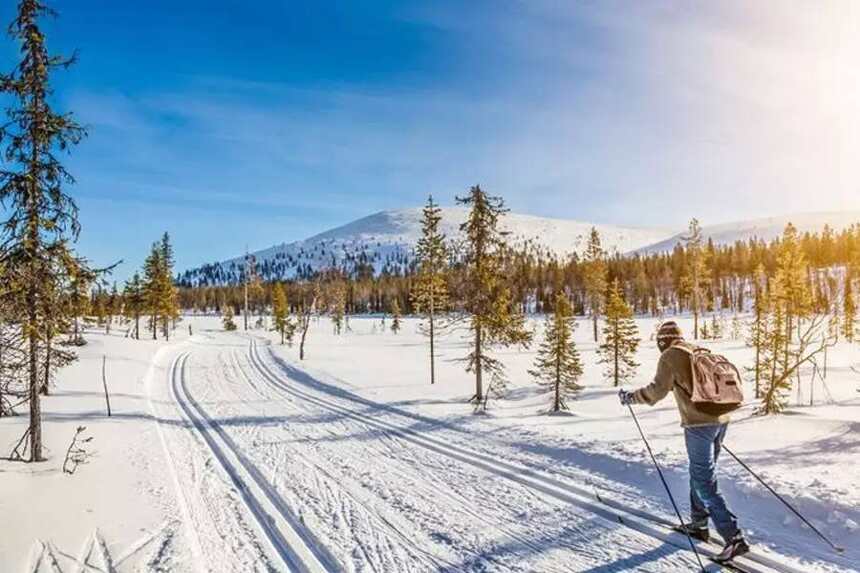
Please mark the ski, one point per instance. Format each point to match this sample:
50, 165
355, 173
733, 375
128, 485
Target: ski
730, 565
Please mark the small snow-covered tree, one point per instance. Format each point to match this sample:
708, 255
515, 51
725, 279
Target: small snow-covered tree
557, 365
227, 318
620, 338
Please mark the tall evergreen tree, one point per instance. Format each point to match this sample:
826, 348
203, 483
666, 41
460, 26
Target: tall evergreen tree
774, 357
281, 313
168, 303
849, 309
395, 316
595, 276
42, 218
134, 302
557, 365
493, 318
620, 338
758, 329
697, 275
430, 290
152, 288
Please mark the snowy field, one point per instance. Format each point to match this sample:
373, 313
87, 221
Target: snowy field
225, 453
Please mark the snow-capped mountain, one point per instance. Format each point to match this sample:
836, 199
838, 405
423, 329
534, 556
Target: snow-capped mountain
385, 241
766, 229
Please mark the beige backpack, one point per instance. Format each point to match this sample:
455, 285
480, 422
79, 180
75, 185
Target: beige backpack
717, 383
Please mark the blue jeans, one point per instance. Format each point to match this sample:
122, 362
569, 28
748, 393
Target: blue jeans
703, 449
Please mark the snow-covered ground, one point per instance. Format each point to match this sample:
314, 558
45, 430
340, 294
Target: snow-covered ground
226, 453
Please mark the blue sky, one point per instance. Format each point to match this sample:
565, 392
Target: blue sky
234, 123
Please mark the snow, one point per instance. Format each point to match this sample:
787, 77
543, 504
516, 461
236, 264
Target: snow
226, 453
386, 240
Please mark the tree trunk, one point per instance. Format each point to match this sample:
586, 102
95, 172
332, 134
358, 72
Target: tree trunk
47, 374
594, 321
35, 405
306, 322
432, 350
479, 382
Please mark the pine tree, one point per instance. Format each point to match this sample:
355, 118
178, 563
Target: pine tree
620, 338
78, 300
168, 304
430, 291
697, 274
557, 365
134, 302
395, 316
337, 305
774, 358
791, 288
849, 309
487, 298
152, 288
227, 318
758, 329
41, 217
594, 276
281, 314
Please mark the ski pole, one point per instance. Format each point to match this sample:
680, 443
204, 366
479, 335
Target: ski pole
666, 486
786, 503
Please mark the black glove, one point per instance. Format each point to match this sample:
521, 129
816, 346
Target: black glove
626, 398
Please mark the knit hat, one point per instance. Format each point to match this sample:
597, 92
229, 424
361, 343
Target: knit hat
668, 332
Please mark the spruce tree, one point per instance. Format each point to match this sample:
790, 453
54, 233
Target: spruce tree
41, 217
152, 283
281, 314
620, 338
697, 274
430, 290
594, 277
849, 309
487, 300
775, 384
557, 365
134, 302
758, 335
395, 316
337, 305
167, 295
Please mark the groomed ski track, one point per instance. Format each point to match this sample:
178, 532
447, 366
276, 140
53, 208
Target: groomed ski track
334, 482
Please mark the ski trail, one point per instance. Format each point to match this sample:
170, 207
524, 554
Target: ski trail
43, 559
383, 520
478, 487
188, 527
296, 547
525, 476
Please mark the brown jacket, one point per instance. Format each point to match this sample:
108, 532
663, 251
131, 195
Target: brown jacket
675, 374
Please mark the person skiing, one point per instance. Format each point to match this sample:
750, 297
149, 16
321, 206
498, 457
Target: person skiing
703, 433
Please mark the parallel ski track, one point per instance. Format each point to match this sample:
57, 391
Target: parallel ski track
463, 504
295, 546
632, 518
381, 521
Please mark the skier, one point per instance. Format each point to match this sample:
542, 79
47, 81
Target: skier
703, 433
